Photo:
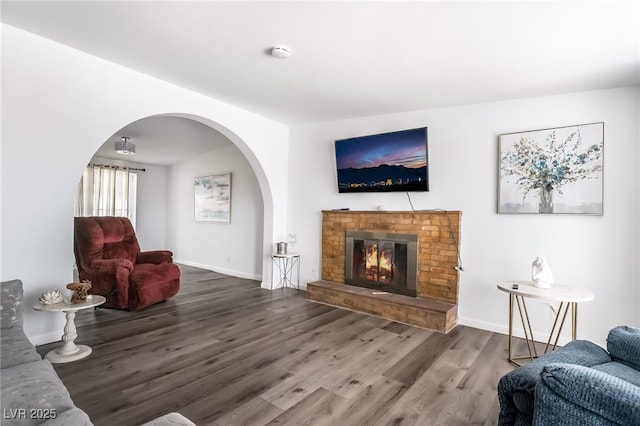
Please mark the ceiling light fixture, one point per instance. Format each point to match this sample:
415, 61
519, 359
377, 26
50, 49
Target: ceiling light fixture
280, 52
125, 147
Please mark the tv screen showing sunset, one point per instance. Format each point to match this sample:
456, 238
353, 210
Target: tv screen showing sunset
395, 161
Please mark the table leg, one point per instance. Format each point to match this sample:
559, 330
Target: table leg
574, 320
69, 336
69, 351
281, 265
298, 261
285, 268
556, 329
511, 299
526, 327
273, 271
556, 333
553, 328
287, 272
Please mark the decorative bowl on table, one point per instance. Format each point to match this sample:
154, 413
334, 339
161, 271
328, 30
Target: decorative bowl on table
51, 297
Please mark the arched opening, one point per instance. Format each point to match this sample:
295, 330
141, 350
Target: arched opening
171, 151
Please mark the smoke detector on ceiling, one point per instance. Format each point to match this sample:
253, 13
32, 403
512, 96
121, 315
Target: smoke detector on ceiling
280, 52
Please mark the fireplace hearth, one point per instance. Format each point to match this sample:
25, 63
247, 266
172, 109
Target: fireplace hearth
435, 305
382, 261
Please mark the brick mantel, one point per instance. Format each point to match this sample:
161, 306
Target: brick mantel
439, 237
438, 244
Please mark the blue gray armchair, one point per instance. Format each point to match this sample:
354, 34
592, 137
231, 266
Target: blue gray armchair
578, 384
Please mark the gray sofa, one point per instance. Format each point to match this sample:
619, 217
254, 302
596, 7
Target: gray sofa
31, 391
578, 384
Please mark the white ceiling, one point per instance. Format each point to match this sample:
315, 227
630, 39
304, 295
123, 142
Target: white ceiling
164, 140
353, 59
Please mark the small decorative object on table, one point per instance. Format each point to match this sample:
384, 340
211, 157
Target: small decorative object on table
80, 291
541, 273
51, 297
281, 248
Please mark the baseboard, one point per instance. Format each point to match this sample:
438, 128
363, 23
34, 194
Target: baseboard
43, 339
504, 329
222, 270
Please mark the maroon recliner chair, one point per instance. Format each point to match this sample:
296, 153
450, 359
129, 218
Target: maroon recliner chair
108, 254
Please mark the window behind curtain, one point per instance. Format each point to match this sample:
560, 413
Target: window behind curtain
107, 191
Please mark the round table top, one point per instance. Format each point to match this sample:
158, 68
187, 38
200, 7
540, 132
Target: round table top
67, 306
285, 254
557, 292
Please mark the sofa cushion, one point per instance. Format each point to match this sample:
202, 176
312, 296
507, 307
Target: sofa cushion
16, 348
623, 343
573, 394
11, 304
33, 394
621, 371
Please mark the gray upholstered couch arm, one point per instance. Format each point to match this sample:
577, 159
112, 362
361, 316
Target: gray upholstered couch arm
31, 393
516, 389
572, 394
11, 304
623, 343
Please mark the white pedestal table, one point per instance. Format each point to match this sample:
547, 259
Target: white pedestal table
69, 351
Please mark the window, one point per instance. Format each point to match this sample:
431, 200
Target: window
107, 191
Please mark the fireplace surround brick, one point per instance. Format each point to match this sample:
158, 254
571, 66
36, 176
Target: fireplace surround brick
439, 234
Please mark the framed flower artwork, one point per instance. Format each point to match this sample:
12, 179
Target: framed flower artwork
550, 171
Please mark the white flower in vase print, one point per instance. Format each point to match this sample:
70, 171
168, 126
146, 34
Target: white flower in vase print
552, 165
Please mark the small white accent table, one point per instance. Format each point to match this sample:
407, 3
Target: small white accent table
567, 297
69, 351
285, 264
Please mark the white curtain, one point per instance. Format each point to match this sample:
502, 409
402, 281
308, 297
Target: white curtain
107, 191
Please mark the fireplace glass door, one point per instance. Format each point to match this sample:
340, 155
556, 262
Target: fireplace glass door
382, 261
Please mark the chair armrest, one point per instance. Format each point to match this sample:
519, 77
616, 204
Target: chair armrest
155, 257
113, 275
574, 394
110, 266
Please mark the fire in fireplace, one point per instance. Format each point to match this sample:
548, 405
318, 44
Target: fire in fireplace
382, 261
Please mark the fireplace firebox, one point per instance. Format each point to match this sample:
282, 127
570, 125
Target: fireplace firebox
382, 261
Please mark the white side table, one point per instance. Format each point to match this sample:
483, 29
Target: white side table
567, 297
69, 351
285, 264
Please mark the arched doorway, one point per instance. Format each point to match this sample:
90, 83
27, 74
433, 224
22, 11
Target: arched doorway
172, 150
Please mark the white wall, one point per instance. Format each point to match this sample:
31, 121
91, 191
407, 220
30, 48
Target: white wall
58, 106
595, 252
234, 248
151, 211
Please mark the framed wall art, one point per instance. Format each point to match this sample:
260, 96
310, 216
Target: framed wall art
212, 200
550, 171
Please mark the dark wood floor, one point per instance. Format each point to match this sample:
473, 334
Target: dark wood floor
226, 352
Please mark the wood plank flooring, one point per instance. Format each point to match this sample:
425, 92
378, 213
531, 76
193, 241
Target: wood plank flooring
226, 352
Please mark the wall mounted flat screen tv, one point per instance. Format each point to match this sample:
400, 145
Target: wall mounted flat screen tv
385, 162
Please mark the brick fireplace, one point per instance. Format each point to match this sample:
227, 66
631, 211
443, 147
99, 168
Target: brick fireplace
432, 303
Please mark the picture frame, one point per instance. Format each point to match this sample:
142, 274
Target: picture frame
552, 171
212, 198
